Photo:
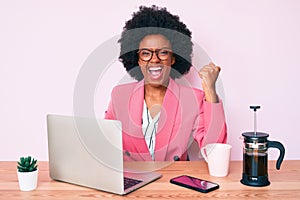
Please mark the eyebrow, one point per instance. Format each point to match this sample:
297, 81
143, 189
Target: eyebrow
168, 48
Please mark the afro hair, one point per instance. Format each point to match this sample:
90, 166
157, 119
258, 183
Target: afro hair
154, 20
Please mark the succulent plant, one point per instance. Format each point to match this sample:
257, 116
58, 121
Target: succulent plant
27, 164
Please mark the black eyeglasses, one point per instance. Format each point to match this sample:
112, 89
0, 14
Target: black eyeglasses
162, 54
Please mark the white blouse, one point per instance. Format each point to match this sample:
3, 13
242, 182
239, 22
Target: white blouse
149, 127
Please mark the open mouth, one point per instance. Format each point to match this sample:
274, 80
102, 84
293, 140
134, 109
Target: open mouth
155, 72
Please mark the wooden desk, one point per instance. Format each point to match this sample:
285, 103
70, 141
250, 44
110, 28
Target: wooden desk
285, 184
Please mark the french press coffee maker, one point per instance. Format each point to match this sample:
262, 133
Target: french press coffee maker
255, 156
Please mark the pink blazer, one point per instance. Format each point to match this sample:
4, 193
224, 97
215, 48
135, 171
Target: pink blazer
185, 115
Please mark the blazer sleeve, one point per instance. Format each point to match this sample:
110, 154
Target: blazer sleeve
210, 125
109, 113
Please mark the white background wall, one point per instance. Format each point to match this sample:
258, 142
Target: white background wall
43, 45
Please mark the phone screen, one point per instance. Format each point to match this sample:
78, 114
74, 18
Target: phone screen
194, 183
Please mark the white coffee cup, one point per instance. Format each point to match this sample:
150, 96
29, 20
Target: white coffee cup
217, 156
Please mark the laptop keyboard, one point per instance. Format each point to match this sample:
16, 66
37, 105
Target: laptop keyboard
129, 182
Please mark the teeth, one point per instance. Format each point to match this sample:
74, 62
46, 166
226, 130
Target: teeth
155, 68
155, 71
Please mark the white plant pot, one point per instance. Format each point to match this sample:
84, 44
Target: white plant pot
28, 180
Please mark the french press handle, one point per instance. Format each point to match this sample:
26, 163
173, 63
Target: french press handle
278, 145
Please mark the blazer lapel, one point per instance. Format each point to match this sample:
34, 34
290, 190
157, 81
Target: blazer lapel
167, 121
135, 134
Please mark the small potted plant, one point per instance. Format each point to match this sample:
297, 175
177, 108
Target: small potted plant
27, 173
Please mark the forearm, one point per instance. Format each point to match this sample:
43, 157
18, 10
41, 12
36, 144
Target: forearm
215, 123
211, 126
211, 95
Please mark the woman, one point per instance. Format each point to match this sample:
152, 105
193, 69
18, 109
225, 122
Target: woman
159, 117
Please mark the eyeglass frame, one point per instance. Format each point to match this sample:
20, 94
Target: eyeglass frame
156, 52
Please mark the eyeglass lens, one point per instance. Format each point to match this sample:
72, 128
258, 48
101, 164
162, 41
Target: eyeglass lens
146, 54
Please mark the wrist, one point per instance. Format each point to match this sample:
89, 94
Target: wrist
211, 96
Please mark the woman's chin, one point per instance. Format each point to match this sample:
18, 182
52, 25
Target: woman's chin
157, 82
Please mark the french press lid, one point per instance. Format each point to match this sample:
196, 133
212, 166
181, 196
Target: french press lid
252, 137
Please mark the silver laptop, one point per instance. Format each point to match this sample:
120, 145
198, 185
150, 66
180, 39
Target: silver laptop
88, 152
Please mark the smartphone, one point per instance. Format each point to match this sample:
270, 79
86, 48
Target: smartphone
194, 183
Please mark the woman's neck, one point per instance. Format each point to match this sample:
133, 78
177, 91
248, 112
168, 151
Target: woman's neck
154, 97
154, 91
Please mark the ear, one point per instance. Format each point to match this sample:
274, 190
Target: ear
173, 60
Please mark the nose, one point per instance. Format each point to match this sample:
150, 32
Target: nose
154, 58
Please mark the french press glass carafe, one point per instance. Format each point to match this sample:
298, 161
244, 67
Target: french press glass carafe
255, 156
